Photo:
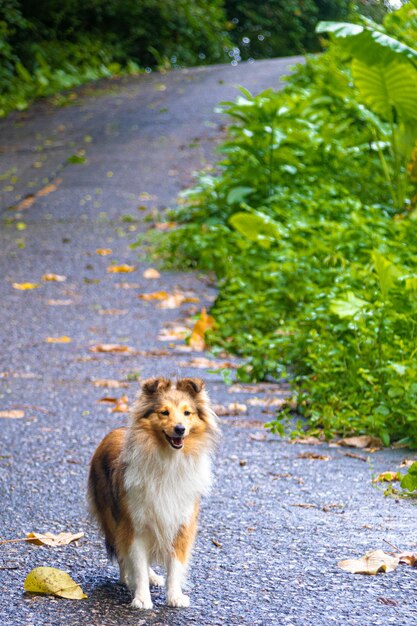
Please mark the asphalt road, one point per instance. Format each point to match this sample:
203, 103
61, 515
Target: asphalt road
276, 523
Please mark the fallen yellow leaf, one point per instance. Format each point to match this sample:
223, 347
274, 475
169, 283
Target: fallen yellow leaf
63, 339
197, 339
120, 269
25, 286
371, 563
12, 414
54, 581
48, 539
58, 278
151, 273
104, 251
155, 295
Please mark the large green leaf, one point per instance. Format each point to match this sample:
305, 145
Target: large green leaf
370, 45
257, 227
384, 87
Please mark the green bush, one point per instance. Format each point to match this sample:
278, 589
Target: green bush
315, 258
51, 45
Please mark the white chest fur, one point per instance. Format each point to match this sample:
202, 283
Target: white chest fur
162, 492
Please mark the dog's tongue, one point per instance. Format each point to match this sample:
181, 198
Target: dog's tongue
177, 441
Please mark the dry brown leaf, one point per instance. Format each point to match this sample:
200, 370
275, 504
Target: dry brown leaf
104, 251
57, 278
313, 455
48, 188
151, 272
62, 339
112, 348
48, 539
234, 408
217, 543
121, 269
107, 400
109, 383
361, 441
13, 414
371, 563
197, 339
387, 477
310, 441
25, 203
25, 286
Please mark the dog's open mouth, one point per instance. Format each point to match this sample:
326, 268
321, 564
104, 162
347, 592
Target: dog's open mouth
175, 442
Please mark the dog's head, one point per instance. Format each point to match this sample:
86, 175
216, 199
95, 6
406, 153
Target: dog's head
176, 415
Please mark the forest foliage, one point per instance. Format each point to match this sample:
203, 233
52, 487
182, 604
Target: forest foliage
50, 45
310, 225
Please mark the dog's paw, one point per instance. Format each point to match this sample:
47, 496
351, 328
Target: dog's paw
156, 580
179, 601
141, 603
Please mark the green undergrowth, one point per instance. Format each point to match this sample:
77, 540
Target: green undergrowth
310, 224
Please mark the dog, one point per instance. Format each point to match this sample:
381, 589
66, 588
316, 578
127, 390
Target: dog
146, 481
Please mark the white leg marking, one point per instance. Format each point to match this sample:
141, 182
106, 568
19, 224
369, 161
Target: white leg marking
138, 555
175, 596
155, 579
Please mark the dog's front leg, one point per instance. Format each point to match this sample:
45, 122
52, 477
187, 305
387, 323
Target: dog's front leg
175, 574
139, 574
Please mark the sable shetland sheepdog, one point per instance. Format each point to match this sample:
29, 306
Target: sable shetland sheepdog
146, 481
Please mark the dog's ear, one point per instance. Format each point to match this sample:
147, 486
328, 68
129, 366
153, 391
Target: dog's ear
151, 386
192, 386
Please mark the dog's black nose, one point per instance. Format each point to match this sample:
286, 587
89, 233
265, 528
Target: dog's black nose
179, 430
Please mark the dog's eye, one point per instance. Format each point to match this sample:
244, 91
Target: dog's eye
165, 412
187, 412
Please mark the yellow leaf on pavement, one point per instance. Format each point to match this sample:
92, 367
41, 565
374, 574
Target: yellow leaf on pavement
371, 563
155, 295
58, 278
49, 539
120, 269
104, 251
110, 383
54, 581
197, 339
63, 339
25, 286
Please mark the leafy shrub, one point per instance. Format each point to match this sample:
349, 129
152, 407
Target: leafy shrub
315, 258
51, 45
